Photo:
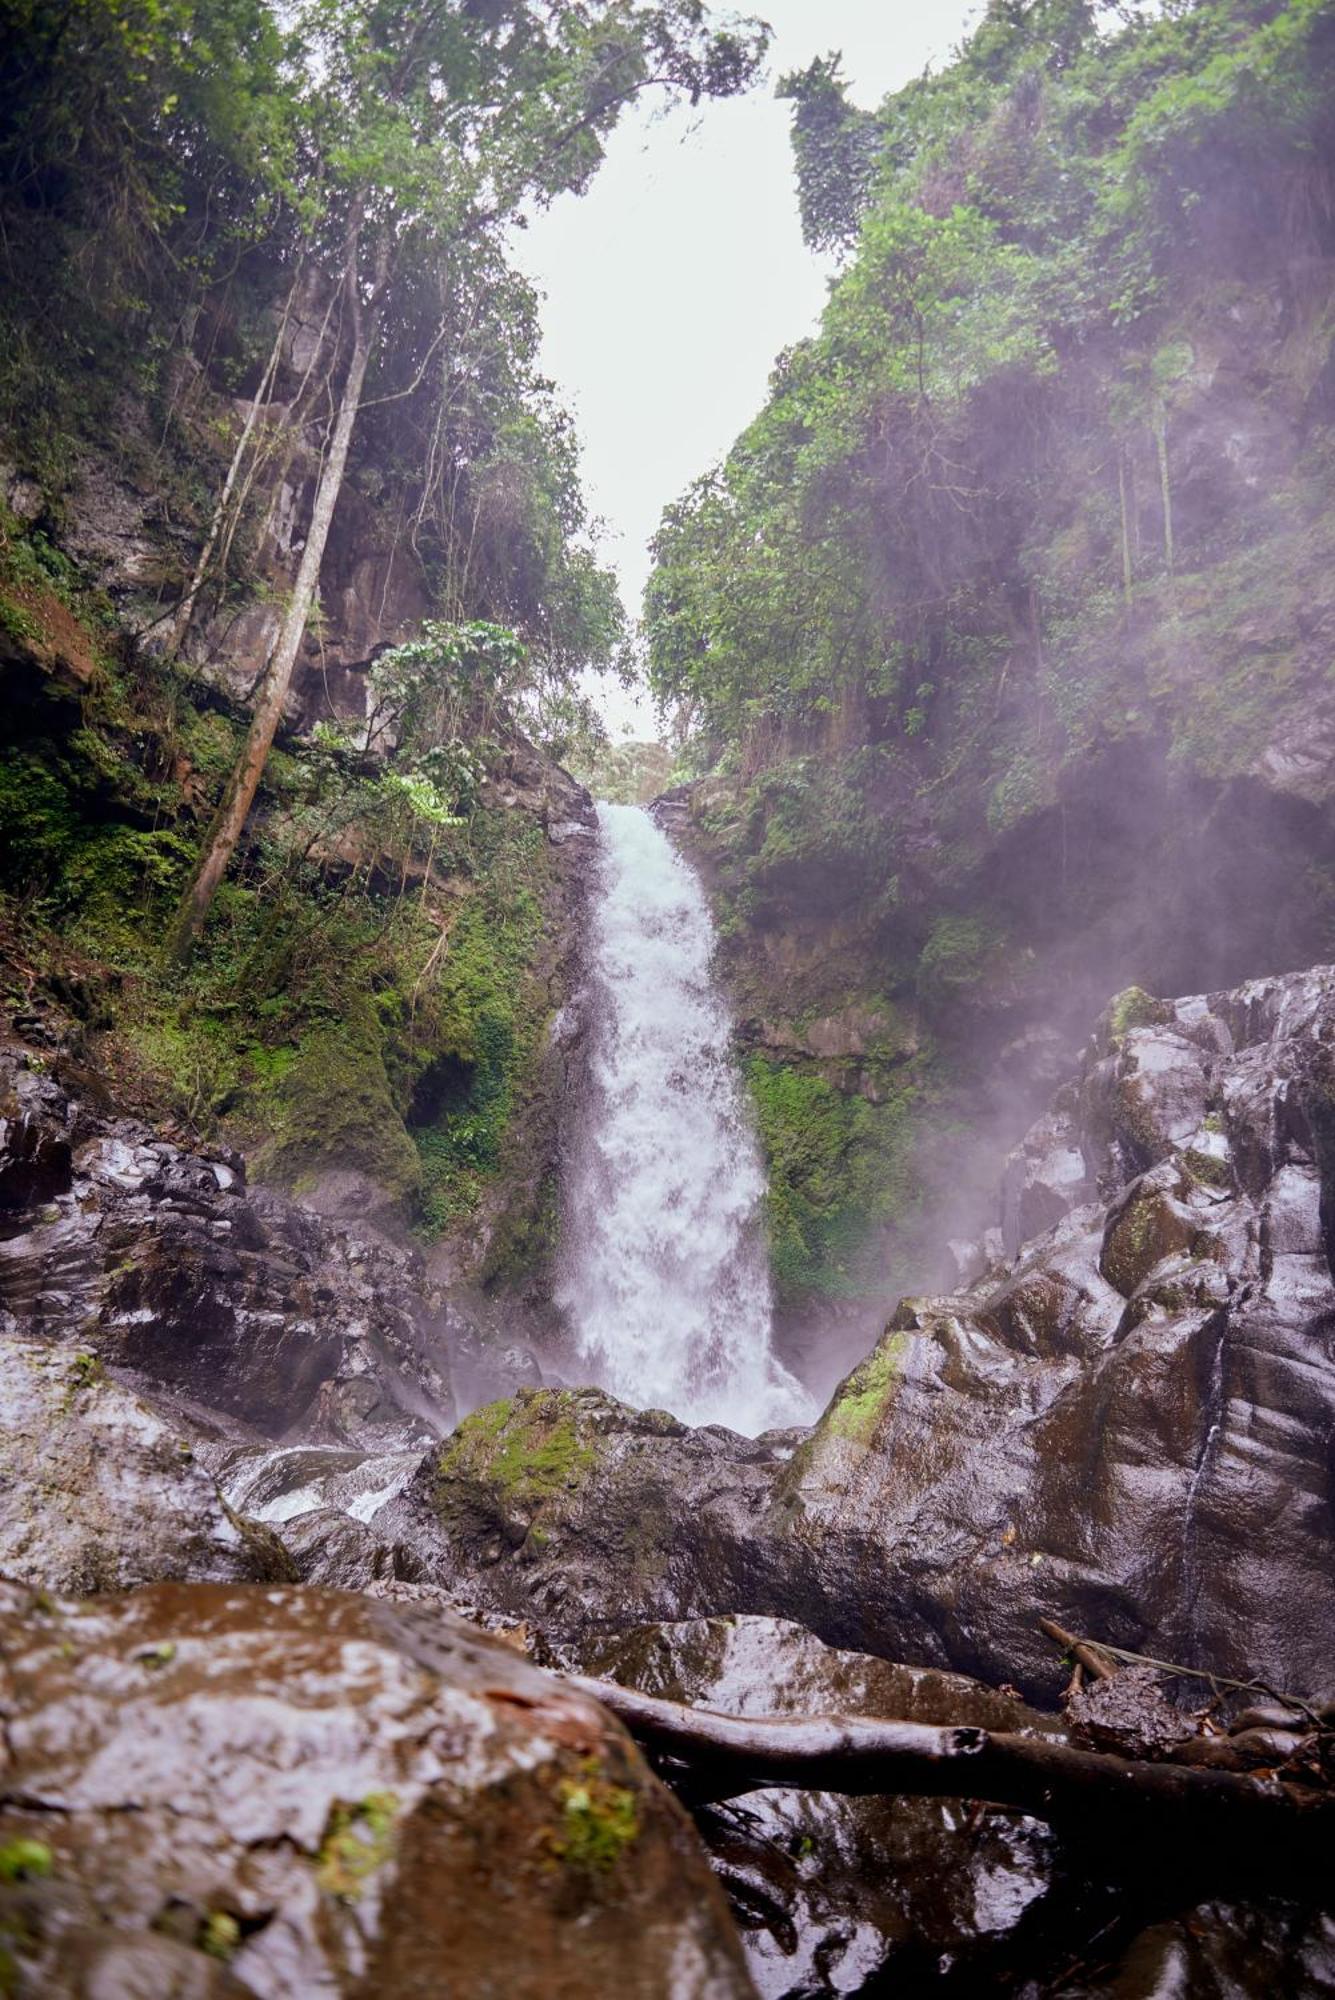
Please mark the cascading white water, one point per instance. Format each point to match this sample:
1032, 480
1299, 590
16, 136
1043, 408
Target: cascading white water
666, 1281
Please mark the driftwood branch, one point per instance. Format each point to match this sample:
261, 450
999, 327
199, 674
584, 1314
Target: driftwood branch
1082, 1652
1078, 1790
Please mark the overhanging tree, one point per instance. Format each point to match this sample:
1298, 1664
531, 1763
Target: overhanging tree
419, 129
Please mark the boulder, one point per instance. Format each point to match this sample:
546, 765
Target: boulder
229, 1300
215, 1792
566, 1508
98, 1492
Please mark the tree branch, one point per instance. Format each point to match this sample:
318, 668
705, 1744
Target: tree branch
1218, 1812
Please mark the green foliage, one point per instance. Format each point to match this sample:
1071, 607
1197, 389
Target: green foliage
837, 1167
834, 148
482, 1022
599, 1822
808, 830
626, 774
961, 953
928, 505
322, 996
358, 1840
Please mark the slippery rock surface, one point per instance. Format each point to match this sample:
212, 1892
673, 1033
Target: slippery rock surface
291, 1793
832, 1893
248, 1312
1128, 1426
97, 1493
1125, 1426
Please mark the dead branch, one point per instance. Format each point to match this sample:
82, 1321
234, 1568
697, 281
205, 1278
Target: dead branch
1081, 1790
1081, 1651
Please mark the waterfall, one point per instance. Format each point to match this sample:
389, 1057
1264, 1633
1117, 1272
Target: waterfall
666, 1280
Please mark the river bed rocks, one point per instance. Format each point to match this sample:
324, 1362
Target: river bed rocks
98, 1492
835, 1894
1125, 1425
281, 1793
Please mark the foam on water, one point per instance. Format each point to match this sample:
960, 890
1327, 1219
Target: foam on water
666, 1280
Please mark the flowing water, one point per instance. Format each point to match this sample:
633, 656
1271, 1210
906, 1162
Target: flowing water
666, 1283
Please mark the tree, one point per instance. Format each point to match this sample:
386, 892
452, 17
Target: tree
835, 148
419, 129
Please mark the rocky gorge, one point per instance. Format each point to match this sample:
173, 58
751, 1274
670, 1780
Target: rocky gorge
1129, 1403
690, 1369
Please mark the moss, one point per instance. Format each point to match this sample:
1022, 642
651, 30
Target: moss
526, 1237
331, 1103
1207, 1168
805, 827
962, 954
600, 1822
220, 1935
25, 1861
1134, 1008
837, 1165
528, 1450
862, 1401
1145, 1232
85, 1372
482, 1025
358, 1840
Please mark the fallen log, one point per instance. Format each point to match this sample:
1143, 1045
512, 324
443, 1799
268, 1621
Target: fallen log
1086, 1791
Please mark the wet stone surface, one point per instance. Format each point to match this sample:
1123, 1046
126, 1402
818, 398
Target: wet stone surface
290, 1793
1124, 1427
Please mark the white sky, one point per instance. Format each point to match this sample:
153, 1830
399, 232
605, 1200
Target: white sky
674, 283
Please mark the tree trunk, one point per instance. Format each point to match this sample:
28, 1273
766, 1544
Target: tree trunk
181, 616
220, 842
1225, 1815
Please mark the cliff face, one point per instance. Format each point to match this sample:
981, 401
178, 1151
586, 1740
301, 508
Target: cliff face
372, 1021
1096, 749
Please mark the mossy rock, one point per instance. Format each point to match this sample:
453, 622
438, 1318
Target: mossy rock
1144, 1231
1133, 1008
332, 1107
838, 1166
518, 1460
863, 1400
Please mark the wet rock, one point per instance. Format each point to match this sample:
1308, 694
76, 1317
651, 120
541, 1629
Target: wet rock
338, 1552
835, 1894
565, 1508
292, 1793
1127, 1430
232, 1300
1217, 1949
1044, 1178
35, 1150
98, 1493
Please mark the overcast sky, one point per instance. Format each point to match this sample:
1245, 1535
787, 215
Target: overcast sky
672, 285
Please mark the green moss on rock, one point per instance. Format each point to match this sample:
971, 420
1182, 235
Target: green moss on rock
333, 1103
863, 1399
599, 1823
837, 1166
526, 1452
358, 1840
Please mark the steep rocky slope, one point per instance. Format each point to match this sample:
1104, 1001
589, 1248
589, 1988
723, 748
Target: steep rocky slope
1122, 1423
1004, 631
